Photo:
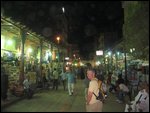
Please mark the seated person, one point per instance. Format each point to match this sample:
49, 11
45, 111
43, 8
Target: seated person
141, 101
122, 90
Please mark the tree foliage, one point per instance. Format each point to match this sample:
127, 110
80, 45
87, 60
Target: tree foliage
136, 27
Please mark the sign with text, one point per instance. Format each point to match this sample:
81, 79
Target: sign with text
99, 52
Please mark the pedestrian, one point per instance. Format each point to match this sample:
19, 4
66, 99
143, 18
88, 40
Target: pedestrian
82, 73
64, 79
56, 76
71, 80
4, 83
92, 103
109, 84
120, 79
86, 84
86, 80
109, 79
44, 77
27, 87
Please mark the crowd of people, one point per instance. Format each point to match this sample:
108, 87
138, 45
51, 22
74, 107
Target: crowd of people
97, 84
117, 87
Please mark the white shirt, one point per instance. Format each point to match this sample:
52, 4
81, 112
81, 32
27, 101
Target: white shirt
144, 101
93, 87
104, 87
123, 87
26, 84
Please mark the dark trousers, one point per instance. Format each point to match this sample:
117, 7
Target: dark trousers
55, 84
4, 94
28, 93
64, 84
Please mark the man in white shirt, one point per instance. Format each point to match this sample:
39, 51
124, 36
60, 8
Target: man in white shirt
92, 104
26, 83
55, 82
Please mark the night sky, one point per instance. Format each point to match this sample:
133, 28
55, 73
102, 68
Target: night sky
86, 19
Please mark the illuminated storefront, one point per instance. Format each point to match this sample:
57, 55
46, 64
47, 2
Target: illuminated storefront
20, 45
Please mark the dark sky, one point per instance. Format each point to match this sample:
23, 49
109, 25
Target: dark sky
85, 19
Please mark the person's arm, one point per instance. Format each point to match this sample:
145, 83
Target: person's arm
137, 96
89, 97
90, 92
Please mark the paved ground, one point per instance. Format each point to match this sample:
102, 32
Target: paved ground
60, 101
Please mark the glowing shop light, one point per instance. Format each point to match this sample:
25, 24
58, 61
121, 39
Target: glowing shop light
9, 42
29, 50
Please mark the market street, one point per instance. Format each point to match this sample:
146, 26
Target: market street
60, 101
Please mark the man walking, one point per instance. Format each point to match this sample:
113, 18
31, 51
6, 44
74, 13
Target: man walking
55, 82
71, 80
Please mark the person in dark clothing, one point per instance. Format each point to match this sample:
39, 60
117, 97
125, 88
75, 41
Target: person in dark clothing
120, 79
55, 82
118, 82
109, 78
82, 73
86, 80
115, 86
4, 83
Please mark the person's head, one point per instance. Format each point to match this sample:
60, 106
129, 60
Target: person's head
110, 74
68, 69
142, 85
120, 76
88, 65
27, 77
90, 73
